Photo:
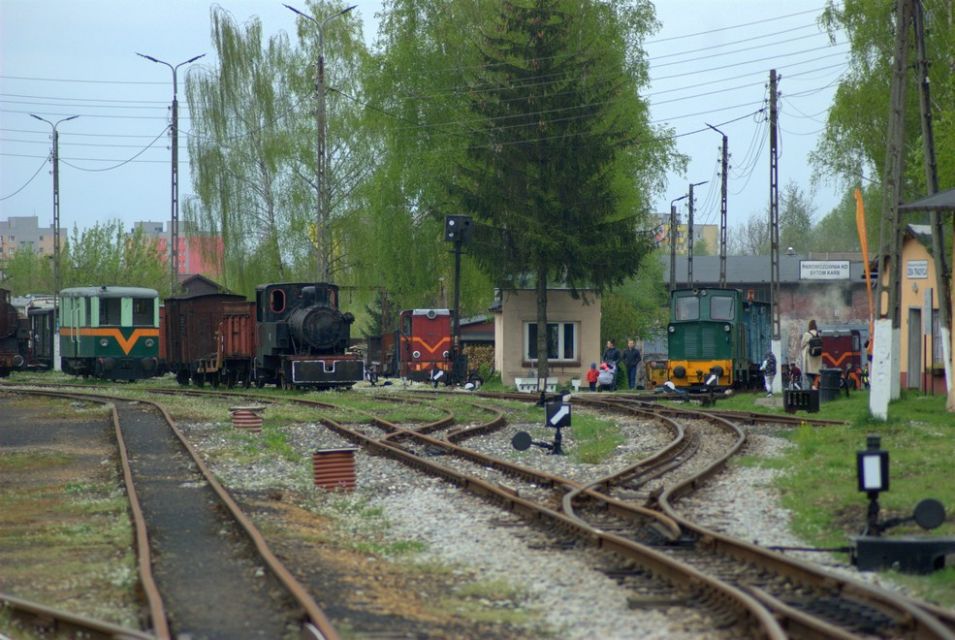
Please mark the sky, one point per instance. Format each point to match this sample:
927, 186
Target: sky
709, 64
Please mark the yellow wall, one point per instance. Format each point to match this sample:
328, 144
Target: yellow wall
520, 307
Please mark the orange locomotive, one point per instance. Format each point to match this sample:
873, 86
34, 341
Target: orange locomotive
420, 347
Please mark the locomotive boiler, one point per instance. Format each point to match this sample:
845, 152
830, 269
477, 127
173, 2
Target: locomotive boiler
302, 338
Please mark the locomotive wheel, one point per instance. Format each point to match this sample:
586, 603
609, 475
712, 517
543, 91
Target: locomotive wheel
283, 382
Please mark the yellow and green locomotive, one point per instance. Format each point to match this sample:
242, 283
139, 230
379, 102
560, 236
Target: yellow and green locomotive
110, 332
716, 338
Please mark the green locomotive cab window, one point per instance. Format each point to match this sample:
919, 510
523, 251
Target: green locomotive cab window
722, 308
687, 308
143, 312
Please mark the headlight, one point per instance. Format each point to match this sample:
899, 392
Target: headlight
416, 354
103, 342
149, 342
671, 329
726, 328
444, 355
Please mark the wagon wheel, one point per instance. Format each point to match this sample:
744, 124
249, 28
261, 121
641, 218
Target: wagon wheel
247, 379
230, 377
214, 380
199, 379
182, 377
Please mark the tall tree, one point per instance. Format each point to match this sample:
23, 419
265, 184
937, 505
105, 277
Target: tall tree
105, 254
252, 145
795, 220
562, 156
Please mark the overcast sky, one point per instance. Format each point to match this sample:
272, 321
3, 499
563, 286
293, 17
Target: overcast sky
710, 63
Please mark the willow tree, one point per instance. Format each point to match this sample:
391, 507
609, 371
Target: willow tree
252, 150
416, 106
562, 158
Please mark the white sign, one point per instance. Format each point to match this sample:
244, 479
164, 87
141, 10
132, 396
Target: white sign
916, 269
823, 269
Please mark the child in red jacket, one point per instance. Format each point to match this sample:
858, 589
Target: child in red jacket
592, 376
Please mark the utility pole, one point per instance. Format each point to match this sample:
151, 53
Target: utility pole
689, 235
942, 274
673, 226
323, 245
774, 203
723, 178
56, 204
174, 213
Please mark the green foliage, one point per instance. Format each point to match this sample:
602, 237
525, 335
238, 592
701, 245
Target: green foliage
854, 141
26, 271
639, 307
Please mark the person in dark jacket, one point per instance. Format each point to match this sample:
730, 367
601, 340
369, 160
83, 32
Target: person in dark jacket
631, 359
612, 356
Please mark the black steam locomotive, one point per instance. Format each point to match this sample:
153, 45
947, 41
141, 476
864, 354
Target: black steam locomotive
11, 334
302, 338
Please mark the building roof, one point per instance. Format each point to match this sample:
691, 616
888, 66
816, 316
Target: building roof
941, 201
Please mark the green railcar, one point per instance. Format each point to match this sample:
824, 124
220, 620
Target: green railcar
716, 338
109, 332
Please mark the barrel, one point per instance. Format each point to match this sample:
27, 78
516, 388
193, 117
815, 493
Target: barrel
829, 384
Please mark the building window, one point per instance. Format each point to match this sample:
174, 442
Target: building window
561, 341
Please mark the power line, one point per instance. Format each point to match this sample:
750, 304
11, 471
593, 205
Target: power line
25, 184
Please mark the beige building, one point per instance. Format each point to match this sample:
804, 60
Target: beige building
573, 330
20, 232
920, 356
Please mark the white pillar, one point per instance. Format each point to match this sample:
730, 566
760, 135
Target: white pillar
777, 347
881, 371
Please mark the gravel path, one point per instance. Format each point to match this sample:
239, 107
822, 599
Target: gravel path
569, 597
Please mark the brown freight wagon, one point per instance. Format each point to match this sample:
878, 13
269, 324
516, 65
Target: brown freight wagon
210, 338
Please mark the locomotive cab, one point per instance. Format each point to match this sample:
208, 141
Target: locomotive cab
302, 337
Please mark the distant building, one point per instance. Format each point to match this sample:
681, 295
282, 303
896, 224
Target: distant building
708, 234
197, 254
20, 232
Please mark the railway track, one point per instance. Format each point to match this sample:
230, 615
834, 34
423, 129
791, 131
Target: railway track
745, 590
204, 568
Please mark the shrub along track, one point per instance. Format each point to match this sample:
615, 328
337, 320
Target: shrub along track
205, 569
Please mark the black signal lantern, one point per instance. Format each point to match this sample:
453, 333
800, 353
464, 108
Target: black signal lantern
457, 228
872, 466
872, 469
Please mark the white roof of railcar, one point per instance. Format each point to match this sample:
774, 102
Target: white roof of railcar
109, 292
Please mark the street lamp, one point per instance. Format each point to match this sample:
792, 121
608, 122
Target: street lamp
56, 204
174, 214
322, 245
673, 240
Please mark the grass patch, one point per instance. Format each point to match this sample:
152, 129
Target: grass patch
820, 484
596, 438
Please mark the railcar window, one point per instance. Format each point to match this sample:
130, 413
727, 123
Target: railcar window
722, 308
687, 308
142, 312
110, 312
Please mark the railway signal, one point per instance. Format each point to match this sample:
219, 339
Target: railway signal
457, 229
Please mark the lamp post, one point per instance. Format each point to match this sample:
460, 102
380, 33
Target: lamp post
322, 245
673, 240
56, 204
723, 209
174, 214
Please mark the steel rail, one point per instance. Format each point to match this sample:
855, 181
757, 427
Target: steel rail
317, 625
157, 613
59, 621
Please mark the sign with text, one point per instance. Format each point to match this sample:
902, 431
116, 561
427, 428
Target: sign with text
916, 269
823, 269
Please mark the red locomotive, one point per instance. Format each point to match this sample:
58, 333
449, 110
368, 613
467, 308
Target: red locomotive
420, 348
842, 349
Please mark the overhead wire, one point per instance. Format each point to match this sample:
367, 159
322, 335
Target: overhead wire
26, 184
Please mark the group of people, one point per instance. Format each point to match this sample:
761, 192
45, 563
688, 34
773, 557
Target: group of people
810, 346
604, 378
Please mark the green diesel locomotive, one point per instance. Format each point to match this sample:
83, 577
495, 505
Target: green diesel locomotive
716, 339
